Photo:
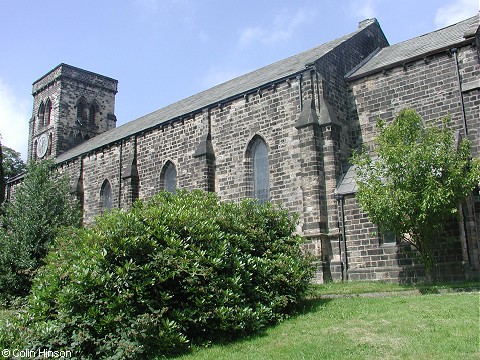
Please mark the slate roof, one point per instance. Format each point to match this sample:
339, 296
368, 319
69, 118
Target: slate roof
228, 90
417, 48
347, 184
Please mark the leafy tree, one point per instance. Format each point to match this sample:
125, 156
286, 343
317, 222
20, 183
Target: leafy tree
2, 177
415, 180
41, 206
13, 164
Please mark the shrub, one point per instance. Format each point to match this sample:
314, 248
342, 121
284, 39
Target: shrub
175, 270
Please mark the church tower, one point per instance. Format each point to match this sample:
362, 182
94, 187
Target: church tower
70, 106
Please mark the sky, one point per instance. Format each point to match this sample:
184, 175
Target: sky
162, 51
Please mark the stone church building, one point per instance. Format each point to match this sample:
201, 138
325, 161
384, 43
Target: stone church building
282, 133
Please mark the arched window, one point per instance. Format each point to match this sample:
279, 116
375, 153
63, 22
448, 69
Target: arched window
92, 112
169, 177
82, 116
41, 115
260, 170
106, 195
48, 112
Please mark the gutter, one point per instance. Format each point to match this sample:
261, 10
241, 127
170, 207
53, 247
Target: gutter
120, 176
351, 77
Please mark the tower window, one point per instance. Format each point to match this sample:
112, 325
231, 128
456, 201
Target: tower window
91, 115
93, 111
82, 116
41, 115
48, 112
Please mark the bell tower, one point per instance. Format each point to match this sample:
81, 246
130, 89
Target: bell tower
70, 106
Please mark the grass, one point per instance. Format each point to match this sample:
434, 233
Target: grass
432, 326
395, 326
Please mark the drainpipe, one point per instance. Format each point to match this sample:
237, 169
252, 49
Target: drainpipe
343, 240
454, 51
120, 175
300, 97
460, 95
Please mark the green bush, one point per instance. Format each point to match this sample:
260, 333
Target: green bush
175, 270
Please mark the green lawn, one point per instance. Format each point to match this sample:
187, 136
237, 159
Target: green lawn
391, 326
432, 326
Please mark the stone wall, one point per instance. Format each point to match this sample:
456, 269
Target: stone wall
430, 86
310, 121
210, 148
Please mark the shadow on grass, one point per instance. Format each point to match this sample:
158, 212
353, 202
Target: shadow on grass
311, 304
308, 305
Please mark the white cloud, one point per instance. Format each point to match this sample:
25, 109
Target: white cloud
147, 6
283, 27
203, 36
217, 76
364, 9
455, 11
162, 10
14, 117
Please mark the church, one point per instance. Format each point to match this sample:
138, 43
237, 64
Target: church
283, 133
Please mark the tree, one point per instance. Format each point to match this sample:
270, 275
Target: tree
415, 180
2, 177
13, 164
42, 205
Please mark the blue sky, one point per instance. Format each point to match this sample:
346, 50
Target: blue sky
161, 51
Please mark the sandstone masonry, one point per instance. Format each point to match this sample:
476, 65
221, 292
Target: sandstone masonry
309, 111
